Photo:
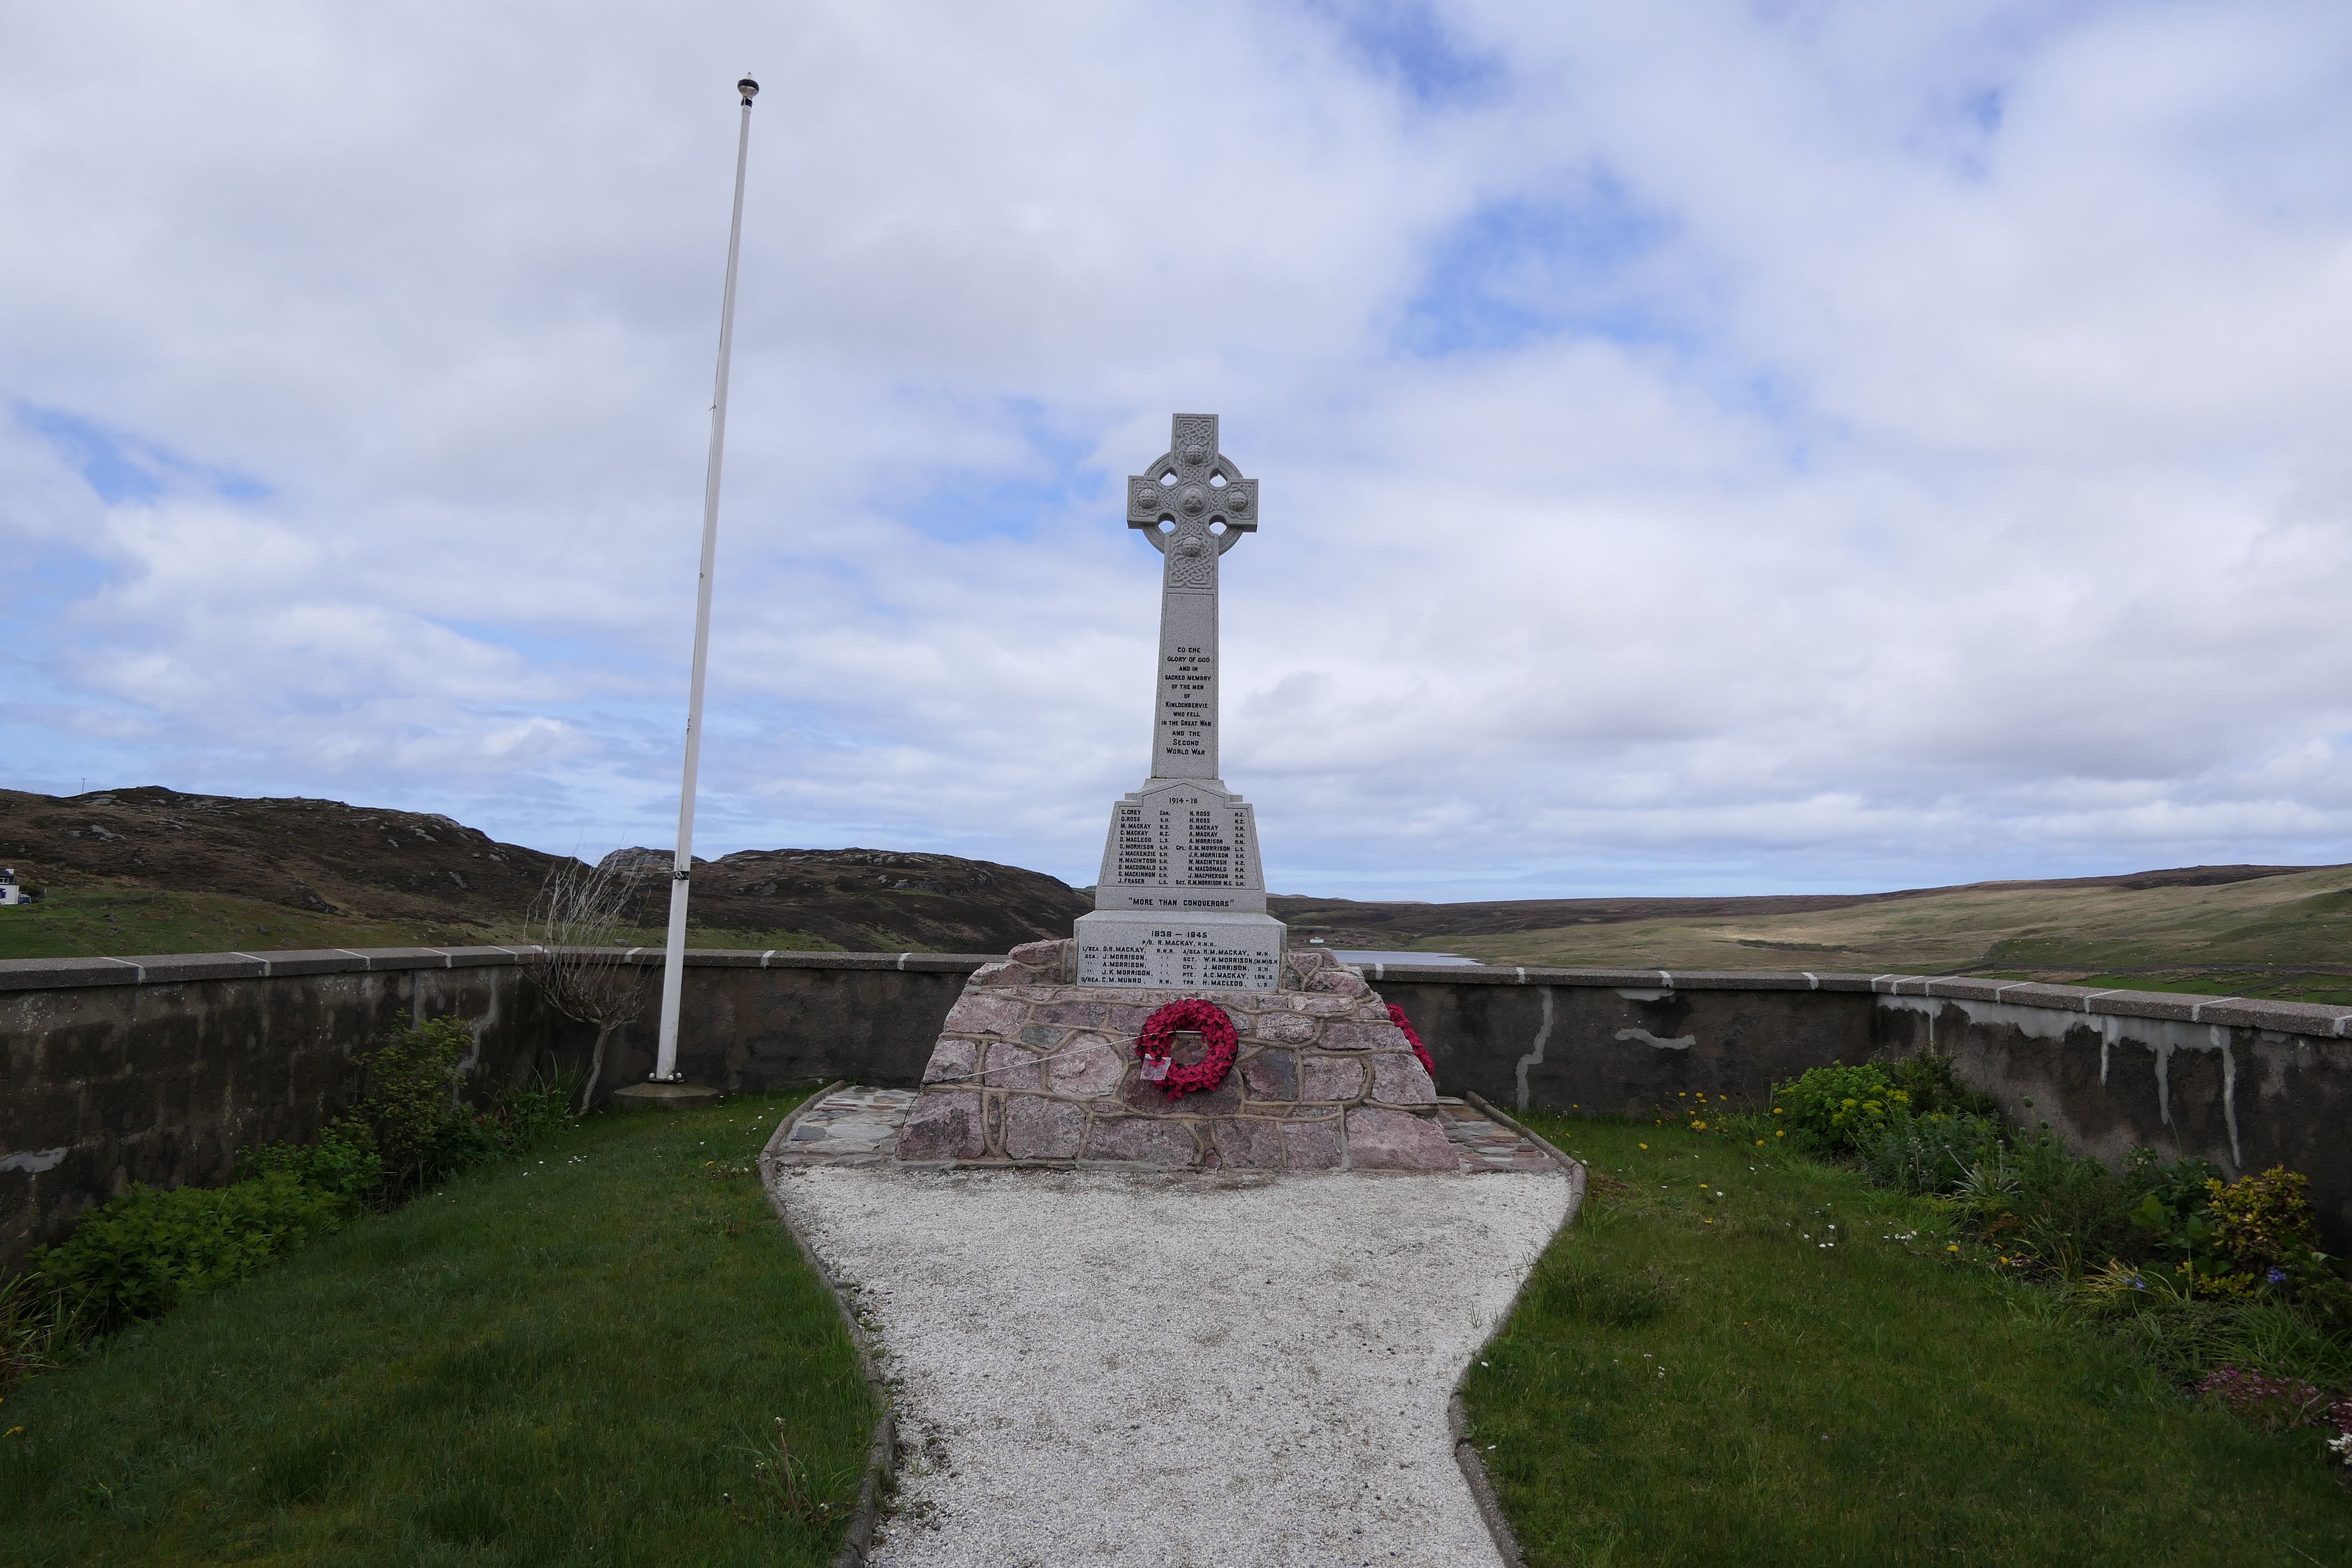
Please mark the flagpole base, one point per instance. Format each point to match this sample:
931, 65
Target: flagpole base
664, 1097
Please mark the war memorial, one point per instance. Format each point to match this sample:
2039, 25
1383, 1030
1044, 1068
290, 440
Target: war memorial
1139, 1185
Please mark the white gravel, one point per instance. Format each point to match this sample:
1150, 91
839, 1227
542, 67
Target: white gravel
1194, 1372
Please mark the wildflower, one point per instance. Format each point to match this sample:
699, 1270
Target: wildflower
1777, 1134
1646, 1145
1953, 1247
2276, 1276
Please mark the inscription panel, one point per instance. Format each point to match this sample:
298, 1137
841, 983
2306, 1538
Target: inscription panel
1181, 954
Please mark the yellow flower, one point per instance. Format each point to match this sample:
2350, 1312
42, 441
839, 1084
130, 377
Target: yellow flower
1760, 1142
1698, 1126
1953, 1247
11, 1432
1646, 1145
1776, 1134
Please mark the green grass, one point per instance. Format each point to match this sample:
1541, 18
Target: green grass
568, 1359
1696, 1379
117, 920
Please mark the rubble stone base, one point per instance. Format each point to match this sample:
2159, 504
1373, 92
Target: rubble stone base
1032, 1068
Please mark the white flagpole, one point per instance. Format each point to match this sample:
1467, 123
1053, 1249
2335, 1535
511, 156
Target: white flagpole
682, 868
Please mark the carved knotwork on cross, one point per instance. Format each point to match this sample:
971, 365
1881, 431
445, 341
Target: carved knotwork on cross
1192, 504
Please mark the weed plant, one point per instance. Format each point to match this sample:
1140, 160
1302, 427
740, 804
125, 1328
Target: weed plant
583, 1356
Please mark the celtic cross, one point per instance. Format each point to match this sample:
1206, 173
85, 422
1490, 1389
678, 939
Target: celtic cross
1193, 505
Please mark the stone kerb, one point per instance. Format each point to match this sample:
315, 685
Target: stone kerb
1032, 1068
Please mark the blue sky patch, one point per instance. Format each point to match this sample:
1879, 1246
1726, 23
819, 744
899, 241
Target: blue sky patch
1403, 41
122, 466
1517, 272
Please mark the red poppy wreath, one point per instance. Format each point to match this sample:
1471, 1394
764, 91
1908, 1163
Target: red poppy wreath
1159, 1038
1396, 1016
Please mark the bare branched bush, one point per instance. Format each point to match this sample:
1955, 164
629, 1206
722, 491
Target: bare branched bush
579, 967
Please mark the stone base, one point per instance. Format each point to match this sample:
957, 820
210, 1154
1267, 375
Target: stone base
1032, 1068
664, 1097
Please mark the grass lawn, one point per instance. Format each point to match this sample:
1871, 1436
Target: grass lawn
1695, 1375
573, 1359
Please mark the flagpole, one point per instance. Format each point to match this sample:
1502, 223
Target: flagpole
682, 867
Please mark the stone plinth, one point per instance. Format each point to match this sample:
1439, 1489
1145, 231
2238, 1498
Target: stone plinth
1032, 1067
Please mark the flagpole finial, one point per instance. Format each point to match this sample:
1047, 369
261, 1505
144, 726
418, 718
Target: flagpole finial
749, 89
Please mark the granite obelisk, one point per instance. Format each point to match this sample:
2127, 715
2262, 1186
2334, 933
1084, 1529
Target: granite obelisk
1180, 899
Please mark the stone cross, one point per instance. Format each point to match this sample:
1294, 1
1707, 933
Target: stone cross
1193, 505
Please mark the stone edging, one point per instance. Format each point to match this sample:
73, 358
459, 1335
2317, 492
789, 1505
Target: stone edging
1457, 1417
2281, 1017
882, 1452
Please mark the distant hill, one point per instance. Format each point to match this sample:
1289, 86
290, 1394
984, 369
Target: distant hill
190, 872
133, 872
2268, 930
1344, 922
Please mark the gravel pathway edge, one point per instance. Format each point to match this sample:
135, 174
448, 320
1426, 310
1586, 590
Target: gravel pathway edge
1457, 1414
882, 1452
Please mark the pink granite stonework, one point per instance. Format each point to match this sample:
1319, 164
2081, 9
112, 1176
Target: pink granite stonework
1032, 1068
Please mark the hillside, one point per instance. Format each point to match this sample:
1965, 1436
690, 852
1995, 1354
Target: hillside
154, 870
2250, 929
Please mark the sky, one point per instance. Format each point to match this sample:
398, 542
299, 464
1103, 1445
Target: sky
1703, 447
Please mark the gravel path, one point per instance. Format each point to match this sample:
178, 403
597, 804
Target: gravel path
1177, 1371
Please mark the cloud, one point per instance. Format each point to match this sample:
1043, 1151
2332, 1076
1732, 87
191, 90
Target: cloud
1710, 448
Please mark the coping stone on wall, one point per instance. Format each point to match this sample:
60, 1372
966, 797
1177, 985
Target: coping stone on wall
165, 969
62, 974
2234, 1012
176, 968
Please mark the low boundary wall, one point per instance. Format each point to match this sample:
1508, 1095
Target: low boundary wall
158, 1070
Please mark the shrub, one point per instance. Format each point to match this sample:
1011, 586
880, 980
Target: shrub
344, 1160
2263, 1224
2068, 1211
145, 1250
1927, 1079
1839, 1108
410, 1102
1926, 1154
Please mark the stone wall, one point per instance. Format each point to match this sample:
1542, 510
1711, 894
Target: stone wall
158, 1070
117, 1070
2245, 1084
